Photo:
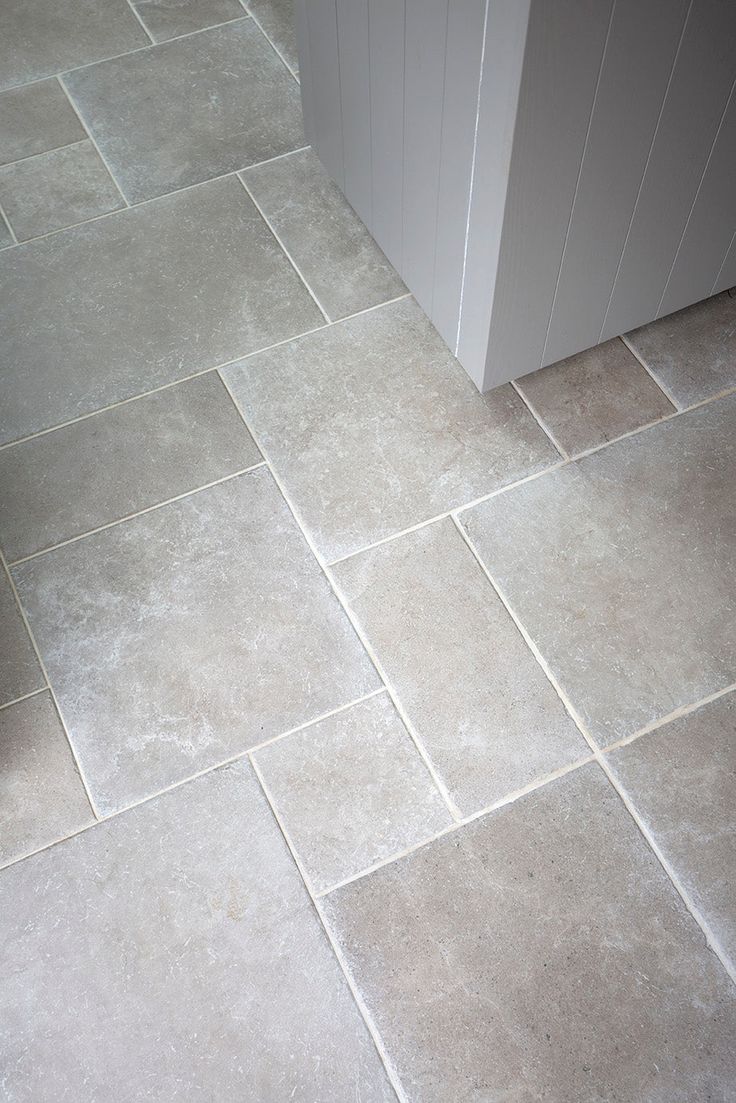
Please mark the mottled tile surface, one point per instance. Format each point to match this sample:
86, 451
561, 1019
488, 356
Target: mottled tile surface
351, 791
329, 244
540, 953
593, 397
34, 119
20, 672
277, 19
181, 936
189, 110
104, 311
57, 189
42, 797
373, 426
42, 37
682, 780
476, 696
97, 470
621, 567
170, 18
188, 634
693, 352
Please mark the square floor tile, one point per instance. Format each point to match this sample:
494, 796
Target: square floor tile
351, 790
20, 672
540, 953
487, 716
173, 952
34, 119
104, 311
42, 797
57, 189
692, 353
373, 426
105, 467
190, 109
166, 19
42, 37
682, 780
187, 635
594, 397
329, 244
278, 21
621, 568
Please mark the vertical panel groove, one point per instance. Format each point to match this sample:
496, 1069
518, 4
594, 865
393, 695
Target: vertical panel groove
439, 162
731, 245
339, 88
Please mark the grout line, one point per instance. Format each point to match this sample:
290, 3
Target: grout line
678, 409
139, 17
623, 337
24, 697
4, 218
676, 714
538, 418
78, 113
271, 43
43, 153
317, 720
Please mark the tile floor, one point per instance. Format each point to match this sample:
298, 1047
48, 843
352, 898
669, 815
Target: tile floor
361, 737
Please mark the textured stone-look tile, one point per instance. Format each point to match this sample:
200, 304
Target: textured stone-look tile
692, 353
191, 109
42, 797
540, 953
34, 119
373, 426
41, 37
188, 634
594, 397
57, 189
118, 462
330, 245
682, 780
20, 672
104, 311
277, 19
476, 696
182, 938
170, 18
351, 790
6, 238
621, 567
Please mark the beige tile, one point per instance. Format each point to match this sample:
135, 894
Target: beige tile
540, 953
351, 791
170, 18
34, 119
373, 426
277, 19
19, 669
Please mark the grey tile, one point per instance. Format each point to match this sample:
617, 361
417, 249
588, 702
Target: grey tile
682, 780
97, 470
6, 238
20, 672
187, 635
42, 797
330, 245
169, 18
190, 109
476, 696
144, 297
182, 937
42, 37
277, 19
540, 953
692, 353
351, 791
373, 426
621, 568
34, 119
594, 397
57, 189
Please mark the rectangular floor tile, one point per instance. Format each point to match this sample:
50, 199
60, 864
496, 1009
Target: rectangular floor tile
594, 397
190, 109
693, 352
682, 780
104, 311
97, 470
42, 37
34, 119
42, 797
329, 244
540, 953
351, 791
166, 19
277, 19
476, 696
373, 426
57, 189
621, 568
20, 672
182, 938
187, 635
